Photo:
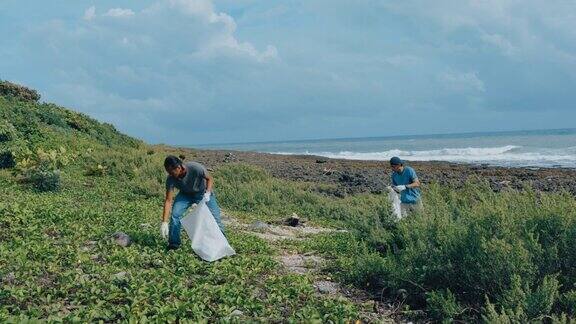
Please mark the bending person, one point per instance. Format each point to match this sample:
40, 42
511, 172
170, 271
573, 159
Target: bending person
194, 185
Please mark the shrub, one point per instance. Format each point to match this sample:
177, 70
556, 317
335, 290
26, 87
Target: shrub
44, 179
7, 160
96, 170
9, 89
442, 305
568, 302
7, 131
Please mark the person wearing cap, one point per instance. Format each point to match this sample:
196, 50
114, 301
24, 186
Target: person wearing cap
406, 183
194, 185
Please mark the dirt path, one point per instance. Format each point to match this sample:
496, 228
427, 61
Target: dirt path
372, 310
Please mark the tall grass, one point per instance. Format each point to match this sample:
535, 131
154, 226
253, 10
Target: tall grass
471, 252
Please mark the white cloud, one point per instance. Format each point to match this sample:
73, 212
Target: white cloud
90, 13
500, 42
462, 81
119, 13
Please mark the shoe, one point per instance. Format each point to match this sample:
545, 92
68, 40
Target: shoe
172, 247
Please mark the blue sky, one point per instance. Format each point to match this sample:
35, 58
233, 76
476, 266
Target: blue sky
198, 71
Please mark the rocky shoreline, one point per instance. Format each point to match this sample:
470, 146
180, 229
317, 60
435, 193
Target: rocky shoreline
352, 176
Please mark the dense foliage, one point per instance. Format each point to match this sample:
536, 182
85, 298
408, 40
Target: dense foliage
9, 89
69, 182
75, 183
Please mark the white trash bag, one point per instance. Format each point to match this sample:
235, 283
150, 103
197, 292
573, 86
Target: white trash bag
207, 239
395, 202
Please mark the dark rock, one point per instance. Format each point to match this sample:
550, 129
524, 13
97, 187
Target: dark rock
321, 161
229, 157
293, 220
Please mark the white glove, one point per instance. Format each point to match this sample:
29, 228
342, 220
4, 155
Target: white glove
400, 188
206, 196
164, 230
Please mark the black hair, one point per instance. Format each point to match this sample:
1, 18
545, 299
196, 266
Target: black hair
172, 162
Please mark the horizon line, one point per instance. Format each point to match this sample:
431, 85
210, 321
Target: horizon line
378, 137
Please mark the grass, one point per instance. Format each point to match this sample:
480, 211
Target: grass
471, 255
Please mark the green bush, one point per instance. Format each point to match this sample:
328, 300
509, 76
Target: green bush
9, 89
7, 131
7, 160
442, 305
44, 179
568, 303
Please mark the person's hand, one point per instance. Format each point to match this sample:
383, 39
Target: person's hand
164, 230
399, 188
206, 196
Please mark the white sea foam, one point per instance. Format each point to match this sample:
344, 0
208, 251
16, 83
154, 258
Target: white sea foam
509, 155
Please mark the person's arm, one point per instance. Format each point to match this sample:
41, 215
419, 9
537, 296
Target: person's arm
414, 184
168, 205
209, 181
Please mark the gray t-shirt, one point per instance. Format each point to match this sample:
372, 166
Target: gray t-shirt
194, 181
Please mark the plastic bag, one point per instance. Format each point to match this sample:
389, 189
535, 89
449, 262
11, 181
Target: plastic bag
207, 239
395, 202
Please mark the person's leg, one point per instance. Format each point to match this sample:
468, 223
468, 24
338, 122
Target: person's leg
418, 207
215, 210
404, 209
181, 204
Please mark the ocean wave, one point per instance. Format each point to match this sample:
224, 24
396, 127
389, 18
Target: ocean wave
509, 155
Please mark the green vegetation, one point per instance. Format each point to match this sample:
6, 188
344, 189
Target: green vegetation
67, 182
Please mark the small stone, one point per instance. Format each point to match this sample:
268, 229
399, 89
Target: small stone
120, 275
259, 225
237, 312
121, 239
327, 287
9, 278
321, 161
402, 293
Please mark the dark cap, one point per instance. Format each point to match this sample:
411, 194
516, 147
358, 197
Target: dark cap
395, 161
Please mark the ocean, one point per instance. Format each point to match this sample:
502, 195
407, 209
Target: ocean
541, 148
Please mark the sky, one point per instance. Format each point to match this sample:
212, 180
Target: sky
186, 72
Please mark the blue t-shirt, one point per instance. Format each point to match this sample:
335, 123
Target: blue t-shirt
407, 176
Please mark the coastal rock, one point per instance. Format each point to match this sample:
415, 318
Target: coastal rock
229, 157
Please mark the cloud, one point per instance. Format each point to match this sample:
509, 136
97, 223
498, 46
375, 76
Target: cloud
462, 81
500, 43
198, 71
119, 13
90, 13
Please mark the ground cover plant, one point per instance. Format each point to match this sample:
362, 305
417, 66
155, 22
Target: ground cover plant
472, 255
57, 261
